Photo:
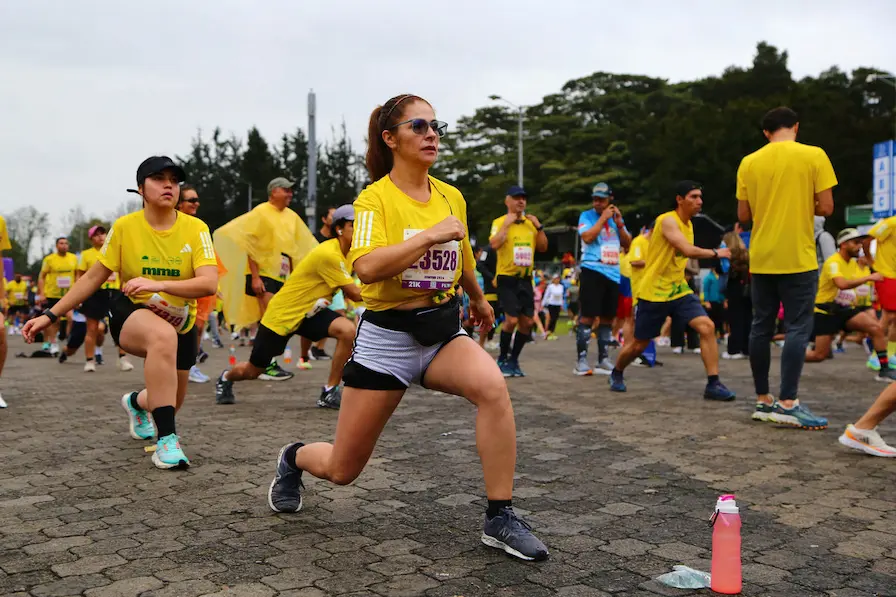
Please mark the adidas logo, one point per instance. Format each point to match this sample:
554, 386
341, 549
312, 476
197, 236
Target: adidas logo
187, 249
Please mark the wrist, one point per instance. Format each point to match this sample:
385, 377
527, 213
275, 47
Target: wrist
51, 316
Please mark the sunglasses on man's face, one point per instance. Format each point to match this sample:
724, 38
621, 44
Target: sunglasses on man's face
420, 125
193, 200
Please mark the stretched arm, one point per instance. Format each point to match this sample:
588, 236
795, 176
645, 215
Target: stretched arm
86, 285
676, 239
824, 203
844, 284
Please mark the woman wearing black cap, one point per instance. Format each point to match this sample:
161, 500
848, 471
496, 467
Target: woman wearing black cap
165, 260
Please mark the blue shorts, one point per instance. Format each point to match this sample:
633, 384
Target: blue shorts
625, 287
651, 316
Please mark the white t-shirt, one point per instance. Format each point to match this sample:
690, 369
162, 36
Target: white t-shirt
553, 296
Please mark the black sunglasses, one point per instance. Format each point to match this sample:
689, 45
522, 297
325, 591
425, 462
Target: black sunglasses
419, 126
193, 200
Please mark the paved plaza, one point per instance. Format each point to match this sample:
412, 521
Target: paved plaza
620, 487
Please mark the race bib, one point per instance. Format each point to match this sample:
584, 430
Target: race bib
63, 282
846, 298
285, 266
18, 295
173, 314
609, 253
522, 256
863, 291
435, 269
319, 306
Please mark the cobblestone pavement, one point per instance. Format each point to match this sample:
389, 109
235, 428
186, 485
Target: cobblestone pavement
619, 487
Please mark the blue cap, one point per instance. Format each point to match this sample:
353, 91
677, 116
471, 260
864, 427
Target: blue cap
516, 191
601, 189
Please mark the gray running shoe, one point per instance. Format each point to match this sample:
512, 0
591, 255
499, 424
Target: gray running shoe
582, 366
511, 533
285, 493
604, 367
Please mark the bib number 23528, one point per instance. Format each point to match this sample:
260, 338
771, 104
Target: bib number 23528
435, 268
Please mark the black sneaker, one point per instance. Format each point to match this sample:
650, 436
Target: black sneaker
98, 358
62, 357
202, 356
275, 373
319, 354
285, 493
224, 390
331, 398
511, 533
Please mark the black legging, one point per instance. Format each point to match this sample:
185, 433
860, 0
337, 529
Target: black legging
740, 316
554, 311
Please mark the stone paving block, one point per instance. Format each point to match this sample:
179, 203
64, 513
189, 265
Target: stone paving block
398, 565
580, 591
407, 585
127, 587
88, 565
53, 545
302, 575
188, 588
621, 509
627, 547
244, 590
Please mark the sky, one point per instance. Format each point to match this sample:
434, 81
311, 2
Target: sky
88, 89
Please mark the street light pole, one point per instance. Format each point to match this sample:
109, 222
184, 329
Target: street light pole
521, 114
891, 79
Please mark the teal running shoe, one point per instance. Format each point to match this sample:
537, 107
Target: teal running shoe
506, 368
616, 381
797, 416
515, 368
168, 453
139, 421
873, 362
763, 412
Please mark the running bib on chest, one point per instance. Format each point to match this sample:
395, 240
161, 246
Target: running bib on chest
19, 295
609, 253
522, 256
863, 291
846, 298
63, 282
176, 316
435, 269
285, 266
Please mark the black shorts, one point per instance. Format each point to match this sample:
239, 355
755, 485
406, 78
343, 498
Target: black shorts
269, 344
598, 295
121, 307
13, 309
651, 316
516, 296
834, 318
270, 285
51, 302
96, 306
77, 335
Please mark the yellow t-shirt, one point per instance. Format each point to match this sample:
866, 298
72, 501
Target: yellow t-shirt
134, 250
5, 244
86, 261
60, 272
625, 266
865, 292
836, 266
517, 255
885, 259
271, 237
17, 292
315, 278
637, 252
779, 182
384, 216
662, 278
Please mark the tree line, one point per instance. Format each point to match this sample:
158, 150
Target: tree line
640, 134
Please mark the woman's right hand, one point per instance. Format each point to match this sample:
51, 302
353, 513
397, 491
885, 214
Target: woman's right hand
33, 326
447, 230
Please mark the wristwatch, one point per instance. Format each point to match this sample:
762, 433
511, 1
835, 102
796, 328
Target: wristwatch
540, 227
715, 253
51, 316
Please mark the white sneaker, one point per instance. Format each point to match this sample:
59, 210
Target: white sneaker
12, 331
604, 367
2, 402
90, 366
696, 351
197, 376
677, 350
54, 348
124, 364
867, 441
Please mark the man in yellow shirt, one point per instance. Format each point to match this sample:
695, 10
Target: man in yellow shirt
885, 264
664, 292
301, 308
837, 304
781, 187
5, 245
515, 237
57, 276
17, 300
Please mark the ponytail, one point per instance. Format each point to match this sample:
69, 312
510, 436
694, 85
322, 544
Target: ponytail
379, 156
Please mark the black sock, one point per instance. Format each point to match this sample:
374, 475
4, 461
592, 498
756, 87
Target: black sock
88, 359
164, 418
290, 455
505, 344
518, 344
494, 507
712, 379
133, 400
884, 359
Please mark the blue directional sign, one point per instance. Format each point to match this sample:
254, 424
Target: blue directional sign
883, 179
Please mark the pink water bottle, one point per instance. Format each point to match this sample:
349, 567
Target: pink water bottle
726, 572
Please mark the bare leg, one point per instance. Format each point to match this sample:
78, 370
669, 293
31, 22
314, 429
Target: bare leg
90, 339
880, 410
344, 331
822, 349
709, 349
3, 345
146, 335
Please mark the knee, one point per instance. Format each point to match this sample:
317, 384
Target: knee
704, 327
163, 340
510, 321
343, 477
344, 331
491, 392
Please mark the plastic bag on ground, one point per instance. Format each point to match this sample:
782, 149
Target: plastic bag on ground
683, 577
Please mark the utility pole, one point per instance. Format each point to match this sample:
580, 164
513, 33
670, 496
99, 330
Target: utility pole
311, 207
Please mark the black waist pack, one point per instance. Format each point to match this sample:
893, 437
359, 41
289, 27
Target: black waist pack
428, 326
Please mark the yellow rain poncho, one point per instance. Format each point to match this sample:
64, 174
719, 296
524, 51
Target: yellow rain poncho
276, 240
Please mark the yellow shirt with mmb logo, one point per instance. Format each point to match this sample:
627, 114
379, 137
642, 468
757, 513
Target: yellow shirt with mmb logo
663, 278
135, 250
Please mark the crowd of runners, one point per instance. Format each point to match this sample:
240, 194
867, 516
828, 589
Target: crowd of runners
396, 286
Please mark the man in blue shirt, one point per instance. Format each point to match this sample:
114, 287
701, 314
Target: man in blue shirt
604, 237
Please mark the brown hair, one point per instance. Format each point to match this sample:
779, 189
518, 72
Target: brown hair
379, 156
184, 188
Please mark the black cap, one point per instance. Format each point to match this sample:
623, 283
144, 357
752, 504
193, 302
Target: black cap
156, 164
683, 187
516, 191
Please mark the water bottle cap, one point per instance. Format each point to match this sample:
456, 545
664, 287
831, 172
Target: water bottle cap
726, 504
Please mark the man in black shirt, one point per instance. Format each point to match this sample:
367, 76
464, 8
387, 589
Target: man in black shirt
325, 233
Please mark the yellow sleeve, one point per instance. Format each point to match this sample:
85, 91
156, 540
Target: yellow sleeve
45, 265
636, 251
333, 271
882, 230
82, 262
834, 270
824, 172
496, 225
741, 181
110, 254
465, 247
5, 245
204, 254
370, 226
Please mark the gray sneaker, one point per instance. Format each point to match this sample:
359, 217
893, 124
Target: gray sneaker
886, 375
510, 533
604, 367
331, 398
285, 493
582, 366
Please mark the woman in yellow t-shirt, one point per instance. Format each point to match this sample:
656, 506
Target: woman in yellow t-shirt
411, 250
165, 261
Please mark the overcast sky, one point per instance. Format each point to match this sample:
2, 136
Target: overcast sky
88, 89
